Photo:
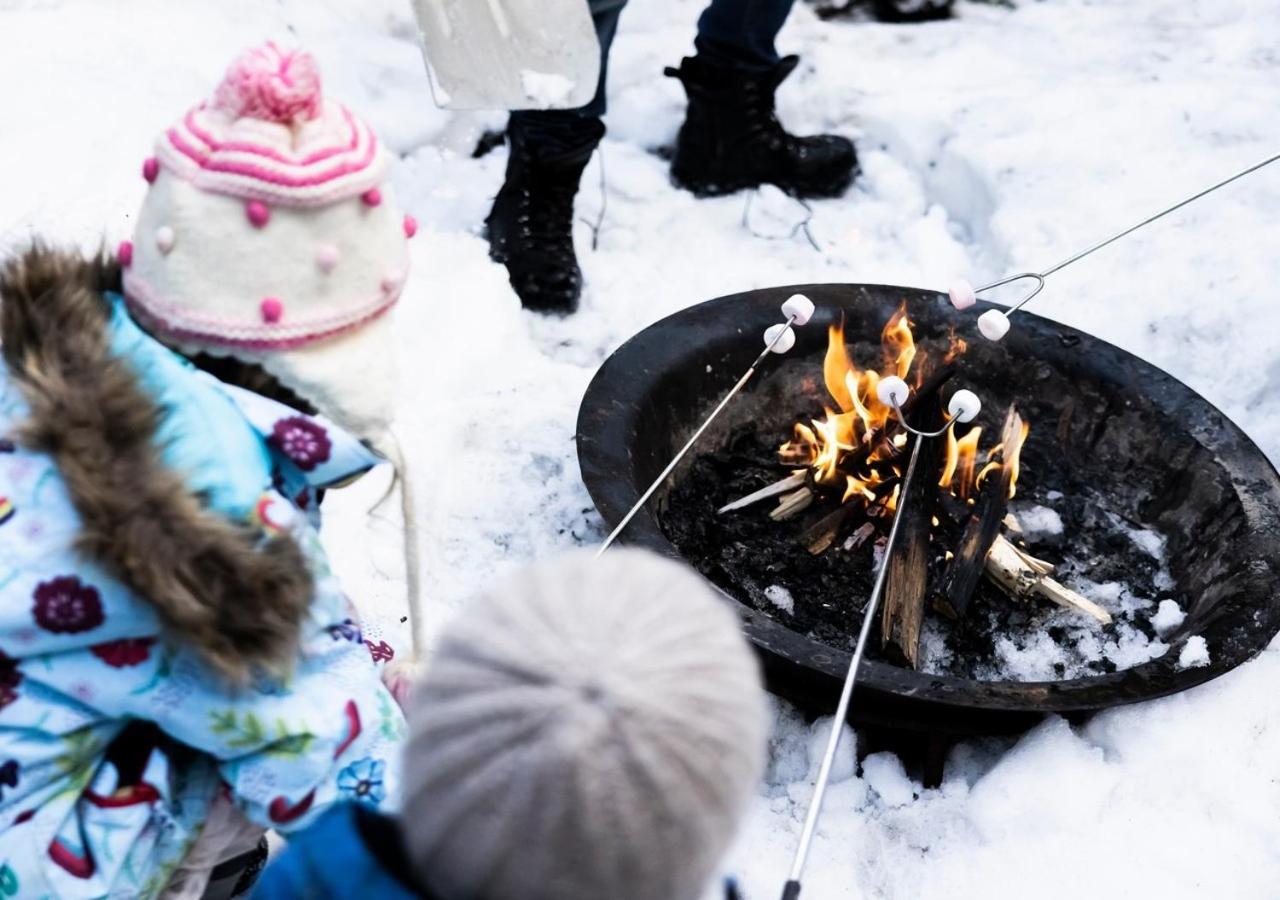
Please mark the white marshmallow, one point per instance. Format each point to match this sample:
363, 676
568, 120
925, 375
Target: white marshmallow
962, 294
892, 391
785, 343
964, 405
800, 307
993, 324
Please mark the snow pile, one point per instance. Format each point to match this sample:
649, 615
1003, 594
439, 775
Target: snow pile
780, 597
1168, 616
1004, 140
1039, 521
1195, 653
546, 89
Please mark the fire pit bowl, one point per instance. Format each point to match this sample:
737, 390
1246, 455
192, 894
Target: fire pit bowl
1173, 461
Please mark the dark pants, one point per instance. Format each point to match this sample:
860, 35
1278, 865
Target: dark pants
730, 32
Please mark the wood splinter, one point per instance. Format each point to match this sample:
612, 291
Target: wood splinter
791, 504
1023, 577
790, 483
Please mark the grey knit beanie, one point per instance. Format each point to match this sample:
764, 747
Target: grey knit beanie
590, 730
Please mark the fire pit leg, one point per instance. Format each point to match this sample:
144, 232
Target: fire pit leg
936, 747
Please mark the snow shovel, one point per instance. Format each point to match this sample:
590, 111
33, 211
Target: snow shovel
509, 54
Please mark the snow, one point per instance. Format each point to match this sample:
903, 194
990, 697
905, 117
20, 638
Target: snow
1169, 615
1001, 141
780, 597
546, 90
1039, 521
1195, 653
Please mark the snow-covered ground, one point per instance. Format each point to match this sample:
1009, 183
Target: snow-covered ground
1004, 139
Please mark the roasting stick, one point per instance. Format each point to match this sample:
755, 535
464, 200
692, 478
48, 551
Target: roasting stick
777, 339
964, 406
994, 323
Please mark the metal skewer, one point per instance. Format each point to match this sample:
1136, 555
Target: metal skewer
963, 407
778, 339
997, 325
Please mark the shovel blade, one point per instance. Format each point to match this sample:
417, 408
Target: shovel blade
509, 54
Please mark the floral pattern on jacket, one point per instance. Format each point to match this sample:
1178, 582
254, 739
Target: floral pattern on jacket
81, 658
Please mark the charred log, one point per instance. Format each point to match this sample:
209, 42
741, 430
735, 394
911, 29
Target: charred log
966, 568
907, 581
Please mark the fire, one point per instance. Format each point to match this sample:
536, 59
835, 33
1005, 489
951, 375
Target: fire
962, 458
853, 447
852, 429
1013, 455
898, 342
1010, 452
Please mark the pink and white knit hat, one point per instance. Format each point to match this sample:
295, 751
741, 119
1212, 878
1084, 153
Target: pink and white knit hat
269, 234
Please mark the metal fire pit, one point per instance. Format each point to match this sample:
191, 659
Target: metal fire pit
1208, 488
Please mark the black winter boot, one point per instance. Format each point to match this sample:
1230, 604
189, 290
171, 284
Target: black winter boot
911, 10
530, 227
731, 139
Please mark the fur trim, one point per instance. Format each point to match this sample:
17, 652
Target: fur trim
239, 601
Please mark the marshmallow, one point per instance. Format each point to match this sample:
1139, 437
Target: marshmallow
964, 406
962, 294
892, 391
785, 343
993, 324
799, 307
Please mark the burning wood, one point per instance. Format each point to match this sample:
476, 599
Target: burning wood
996, 484
908, 576
850, 464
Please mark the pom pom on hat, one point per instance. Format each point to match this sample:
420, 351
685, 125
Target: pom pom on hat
593, 728
272, 84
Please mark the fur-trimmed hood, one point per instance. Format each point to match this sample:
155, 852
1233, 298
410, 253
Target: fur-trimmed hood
221, 587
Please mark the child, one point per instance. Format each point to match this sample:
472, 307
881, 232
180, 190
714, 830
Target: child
592, 729
174, 650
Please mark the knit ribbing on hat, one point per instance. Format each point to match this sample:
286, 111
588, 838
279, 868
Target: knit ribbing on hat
591, 729
270, 135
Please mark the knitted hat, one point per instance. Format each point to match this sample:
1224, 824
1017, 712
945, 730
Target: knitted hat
269, 234
592, 729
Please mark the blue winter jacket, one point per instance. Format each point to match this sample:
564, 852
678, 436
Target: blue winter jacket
88, 808
333, 859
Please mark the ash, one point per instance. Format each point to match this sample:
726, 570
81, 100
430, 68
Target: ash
1100, 551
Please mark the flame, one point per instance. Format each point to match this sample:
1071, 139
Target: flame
962, 456
1014, 457
1009, 452
822, 444
837, 367
898, 342
852, 447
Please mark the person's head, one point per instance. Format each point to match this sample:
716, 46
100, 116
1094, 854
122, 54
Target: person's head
590, 729
269, 236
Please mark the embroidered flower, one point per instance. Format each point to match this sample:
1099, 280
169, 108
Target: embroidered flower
362, 781
301, 440
67, 606
125, 652
10, 678
380, 651
346, 630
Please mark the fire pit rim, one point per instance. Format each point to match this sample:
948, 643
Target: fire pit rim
606, 423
